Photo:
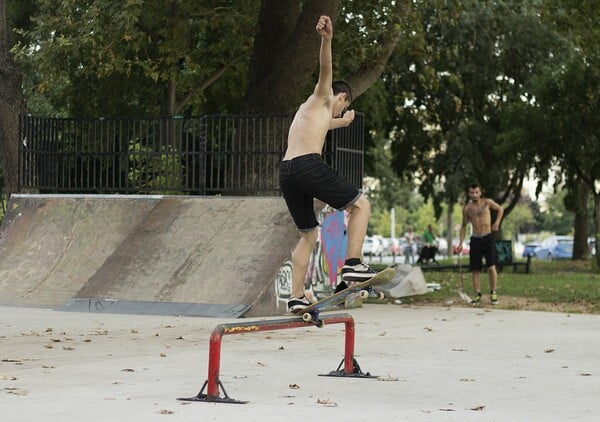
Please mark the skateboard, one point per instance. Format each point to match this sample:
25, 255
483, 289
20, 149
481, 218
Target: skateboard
311, 313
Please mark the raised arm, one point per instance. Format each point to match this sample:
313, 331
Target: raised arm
325, 29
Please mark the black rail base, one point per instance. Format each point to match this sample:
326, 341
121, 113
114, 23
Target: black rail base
209, 399
356, 371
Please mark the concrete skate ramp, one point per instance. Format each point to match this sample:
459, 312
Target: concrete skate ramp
57, 250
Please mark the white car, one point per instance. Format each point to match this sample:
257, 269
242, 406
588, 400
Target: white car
372, 246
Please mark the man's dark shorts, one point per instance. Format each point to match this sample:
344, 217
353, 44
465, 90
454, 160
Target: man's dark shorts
306, 177
480, 247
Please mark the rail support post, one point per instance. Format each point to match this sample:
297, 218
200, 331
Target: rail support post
213, 384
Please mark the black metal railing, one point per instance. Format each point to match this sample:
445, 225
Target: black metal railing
229, 155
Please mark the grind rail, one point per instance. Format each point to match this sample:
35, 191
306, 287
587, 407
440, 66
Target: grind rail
213, 383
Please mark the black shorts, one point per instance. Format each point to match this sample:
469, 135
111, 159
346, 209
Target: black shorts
480, 247
306, 177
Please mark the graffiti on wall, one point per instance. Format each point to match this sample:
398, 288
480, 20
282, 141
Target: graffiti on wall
326, 261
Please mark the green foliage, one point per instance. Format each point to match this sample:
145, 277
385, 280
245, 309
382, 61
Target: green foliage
150, 173
465, 64
520, 217
86, 57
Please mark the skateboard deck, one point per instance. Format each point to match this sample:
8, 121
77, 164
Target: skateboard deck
311, 313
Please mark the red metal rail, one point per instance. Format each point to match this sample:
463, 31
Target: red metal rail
213, 383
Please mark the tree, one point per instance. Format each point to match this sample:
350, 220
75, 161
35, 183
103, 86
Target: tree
109, 57
11, 105
466, 63
284, 57
569, 98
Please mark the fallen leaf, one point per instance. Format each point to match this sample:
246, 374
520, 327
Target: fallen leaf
327, 403
261, 364
428, 328
127, 370
548, 350
163, 355
585, 374
16, 391
478, 408
294, 386
166, 412
388, 378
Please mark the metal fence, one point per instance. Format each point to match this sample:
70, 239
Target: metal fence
208, 155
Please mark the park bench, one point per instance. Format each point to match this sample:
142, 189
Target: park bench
504, 252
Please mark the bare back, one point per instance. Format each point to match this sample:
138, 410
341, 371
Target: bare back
309, 127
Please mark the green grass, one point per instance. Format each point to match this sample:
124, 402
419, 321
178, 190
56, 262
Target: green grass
566, 286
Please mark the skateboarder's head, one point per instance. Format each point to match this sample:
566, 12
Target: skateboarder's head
343, 93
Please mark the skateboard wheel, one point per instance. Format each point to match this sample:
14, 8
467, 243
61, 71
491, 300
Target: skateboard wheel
307, 317
380, 295
364, 294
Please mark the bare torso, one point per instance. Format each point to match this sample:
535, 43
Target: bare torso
309, 128
478, 214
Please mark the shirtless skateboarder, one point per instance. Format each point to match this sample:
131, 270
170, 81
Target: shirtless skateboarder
303, 175
477, 212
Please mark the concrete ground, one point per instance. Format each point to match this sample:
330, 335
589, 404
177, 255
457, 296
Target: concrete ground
442, 364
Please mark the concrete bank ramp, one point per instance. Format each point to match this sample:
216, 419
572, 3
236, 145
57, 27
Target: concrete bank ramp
207, 256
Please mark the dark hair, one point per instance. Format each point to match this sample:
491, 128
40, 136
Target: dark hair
474, 185
342, 86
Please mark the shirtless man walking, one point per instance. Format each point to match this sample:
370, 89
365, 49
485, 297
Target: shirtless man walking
477, 212
303, 175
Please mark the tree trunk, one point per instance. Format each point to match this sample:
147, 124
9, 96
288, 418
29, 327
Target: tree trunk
580, 240
597, 224
285, 54
11, 105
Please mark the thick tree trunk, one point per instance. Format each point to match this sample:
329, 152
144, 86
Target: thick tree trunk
597, 224
11, 105
285, 54
580, 240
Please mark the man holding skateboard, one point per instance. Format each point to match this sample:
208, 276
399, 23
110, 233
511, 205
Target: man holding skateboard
477, 212
303, 175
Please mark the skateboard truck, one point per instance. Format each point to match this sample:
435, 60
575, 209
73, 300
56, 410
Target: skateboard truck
312, 316
356, 371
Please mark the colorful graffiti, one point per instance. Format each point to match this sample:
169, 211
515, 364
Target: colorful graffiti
334, 241
326, 260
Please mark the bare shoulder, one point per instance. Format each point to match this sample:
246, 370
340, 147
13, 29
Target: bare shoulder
492, 204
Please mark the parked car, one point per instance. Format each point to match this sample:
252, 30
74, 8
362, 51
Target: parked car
442, 245
394, 247
592, 246
465, 247
555, 247
372, 246
529, 249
